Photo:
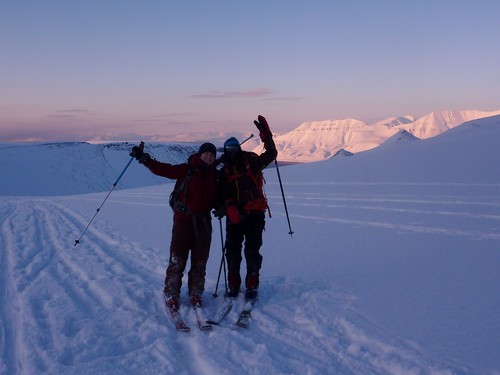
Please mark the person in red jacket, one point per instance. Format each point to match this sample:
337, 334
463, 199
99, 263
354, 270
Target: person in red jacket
192, 226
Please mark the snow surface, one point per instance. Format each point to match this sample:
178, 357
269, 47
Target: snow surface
393, 267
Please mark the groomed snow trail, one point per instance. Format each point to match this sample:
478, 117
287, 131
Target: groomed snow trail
96, 309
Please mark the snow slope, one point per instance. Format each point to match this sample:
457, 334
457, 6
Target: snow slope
392, 269
77, 168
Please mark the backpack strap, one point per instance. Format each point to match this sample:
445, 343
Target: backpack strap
181, 185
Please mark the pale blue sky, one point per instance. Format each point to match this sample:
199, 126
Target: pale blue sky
123, 69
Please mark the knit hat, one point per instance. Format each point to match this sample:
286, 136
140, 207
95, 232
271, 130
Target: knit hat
207, 147
232, 143
232, 148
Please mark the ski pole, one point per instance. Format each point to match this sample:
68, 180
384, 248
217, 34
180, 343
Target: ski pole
250, 137
222, 262
284, 200
114, 185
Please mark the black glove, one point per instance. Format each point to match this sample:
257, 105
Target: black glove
138, 153
219, 212
264, 131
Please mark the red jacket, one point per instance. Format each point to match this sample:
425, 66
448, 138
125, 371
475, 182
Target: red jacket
201, 190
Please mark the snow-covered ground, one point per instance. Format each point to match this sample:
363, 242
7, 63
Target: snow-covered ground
393, 268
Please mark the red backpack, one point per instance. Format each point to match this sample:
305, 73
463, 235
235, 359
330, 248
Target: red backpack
252, 195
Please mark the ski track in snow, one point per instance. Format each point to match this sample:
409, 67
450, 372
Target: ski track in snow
96, 308
375, 207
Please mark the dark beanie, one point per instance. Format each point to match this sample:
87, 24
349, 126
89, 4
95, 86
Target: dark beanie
207, 147
232, 142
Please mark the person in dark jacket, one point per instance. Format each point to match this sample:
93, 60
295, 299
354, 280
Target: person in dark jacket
192, 226
242, 201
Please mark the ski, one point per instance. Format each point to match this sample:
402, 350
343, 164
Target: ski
176, 316
201, 319
222, 311
244, 317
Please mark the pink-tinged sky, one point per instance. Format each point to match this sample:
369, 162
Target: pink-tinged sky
129, 70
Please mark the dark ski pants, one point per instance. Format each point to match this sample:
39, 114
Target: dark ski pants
249, 230
188, 236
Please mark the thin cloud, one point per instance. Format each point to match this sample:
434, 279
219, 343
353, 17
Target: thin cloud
61, 116
284, 98
73, 111
68, 113
255, 93
180, 114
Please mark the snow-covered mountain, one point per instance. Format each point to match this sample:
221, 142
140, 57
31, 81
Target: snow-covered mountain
94, 167
400, 138
437, 122
319, 140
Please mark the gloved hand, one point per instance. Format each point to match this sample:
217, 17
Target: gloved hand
264, 131
219, 212
233, 214
138, 153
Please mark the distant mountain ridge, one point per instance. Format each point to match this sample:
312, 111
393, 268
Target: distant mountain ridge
319, 140
70, 168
